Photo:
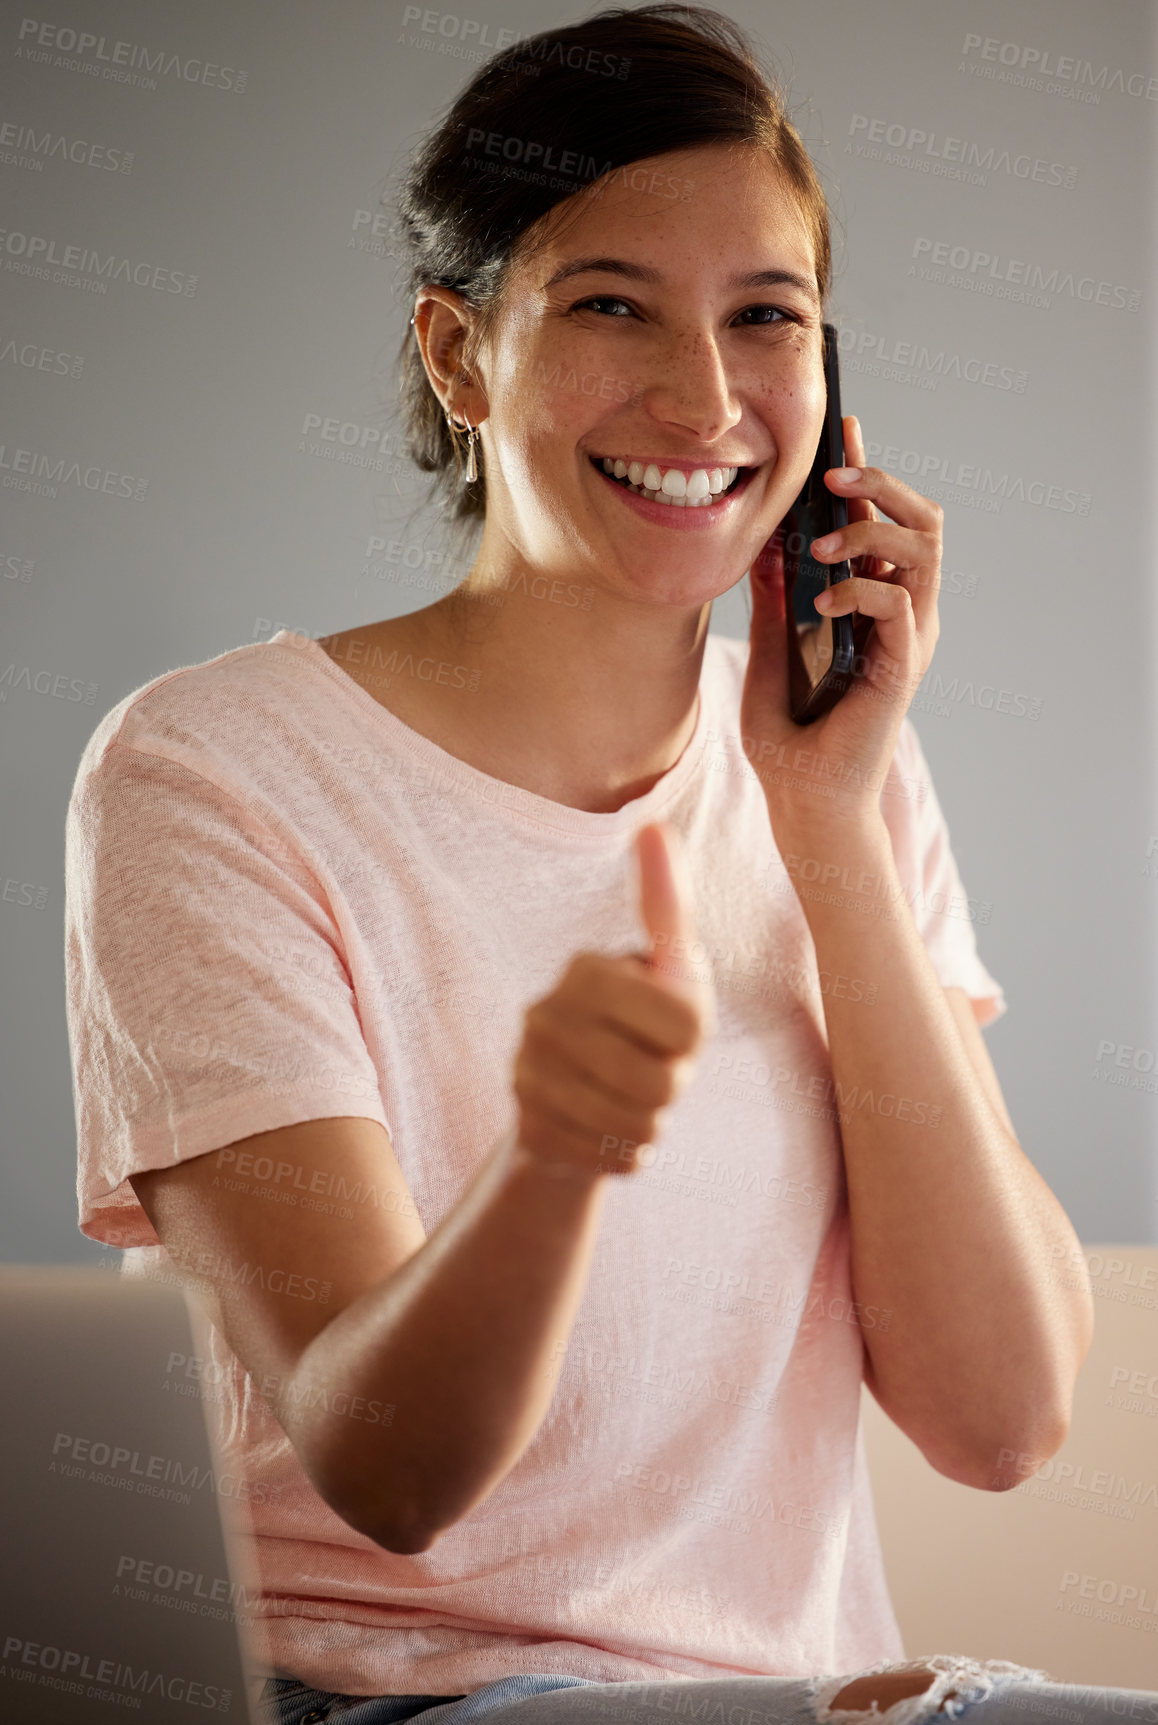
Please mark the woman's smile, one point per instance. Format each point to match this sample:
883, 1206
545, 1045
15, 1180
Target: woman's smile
676, 495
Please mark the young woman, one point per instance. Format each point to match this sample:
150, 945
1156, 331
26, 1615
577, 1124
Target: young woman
561, 1073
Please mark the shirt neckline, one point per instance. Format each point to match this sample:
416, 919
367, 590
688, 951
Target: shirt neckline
498, 793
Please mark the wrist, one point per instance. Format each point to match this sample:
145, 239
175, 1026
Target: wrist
554, 1175
841, 832
846, 866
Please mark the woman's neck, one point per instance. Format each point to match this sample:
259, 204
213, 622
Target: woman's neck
569, 692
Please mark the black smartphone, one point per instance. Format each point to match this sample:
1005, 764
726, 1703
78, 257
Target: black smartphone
822, 651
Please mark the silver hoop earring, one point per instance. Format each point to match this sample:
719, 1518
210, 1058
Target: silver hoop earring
471, 447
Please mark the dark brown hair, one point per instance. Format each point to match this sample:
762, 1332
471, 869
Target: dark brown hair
539, 123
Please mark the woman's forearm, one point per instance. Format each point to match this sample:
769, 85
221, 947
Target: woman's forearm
952, 1228
465, 1340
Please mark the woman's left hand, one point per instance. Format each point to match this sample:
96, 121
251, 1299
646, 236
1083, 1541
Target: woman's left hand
833, 769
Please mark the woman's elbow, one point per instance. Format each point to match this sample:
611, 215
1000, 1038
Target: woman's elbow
1003, 1465
351, 1487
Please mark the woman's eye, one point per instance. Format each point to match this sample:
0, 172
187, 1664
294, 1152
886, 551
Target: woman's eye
781, 314
760, 315
598, 300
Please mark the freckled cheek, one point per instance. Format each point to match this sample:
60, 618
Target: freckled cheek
553, 404
794, 411
538, 455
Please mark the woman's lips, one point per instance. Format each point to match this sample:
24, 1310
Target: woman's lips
682, 520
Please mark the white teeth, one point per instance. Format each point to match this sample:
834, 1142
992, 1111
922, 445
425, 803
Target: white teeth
686, 490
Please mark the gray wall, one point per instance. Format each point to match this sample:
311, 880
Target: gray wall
1038, 713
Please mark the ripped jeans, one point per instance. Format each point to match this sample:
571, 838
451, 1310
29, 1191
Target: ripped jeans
998, 1692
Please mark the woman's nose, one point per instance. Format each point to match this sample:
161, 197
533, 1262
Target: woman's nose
690, 386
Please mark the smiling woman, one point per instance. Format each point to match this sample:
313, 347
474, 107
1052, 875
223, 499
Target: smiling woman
509, 971
468, 212
636, 357
667, 366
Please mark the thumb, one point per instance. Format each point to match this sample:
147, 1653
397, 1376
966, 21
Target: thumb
665, 899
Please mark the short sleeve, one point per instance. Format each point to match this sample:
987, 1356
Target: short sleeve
948, 919
207, 993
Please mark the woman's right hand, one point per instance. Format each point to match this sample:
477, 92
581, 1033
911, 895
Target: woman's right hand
610, 1049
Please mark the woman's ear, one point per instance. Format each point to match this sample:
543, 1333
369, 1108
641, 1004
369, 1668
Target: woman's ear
441, 325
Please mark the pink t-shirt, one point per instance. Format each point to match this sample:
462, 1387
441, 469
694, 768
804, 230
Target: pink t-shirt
283, 904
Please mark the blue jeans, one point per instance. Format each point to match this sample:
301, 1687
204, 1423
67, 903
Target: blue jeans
999, 1693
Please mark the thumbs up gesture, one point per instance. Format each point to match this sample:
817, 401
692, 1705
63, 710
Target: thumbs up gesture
610, 1049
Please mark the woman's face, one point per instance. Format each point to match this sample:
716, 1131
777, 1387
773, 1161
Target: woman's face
664, 349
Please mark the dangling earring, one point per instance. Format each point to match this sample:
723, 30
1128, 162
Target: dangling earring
471, 445
471, 455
